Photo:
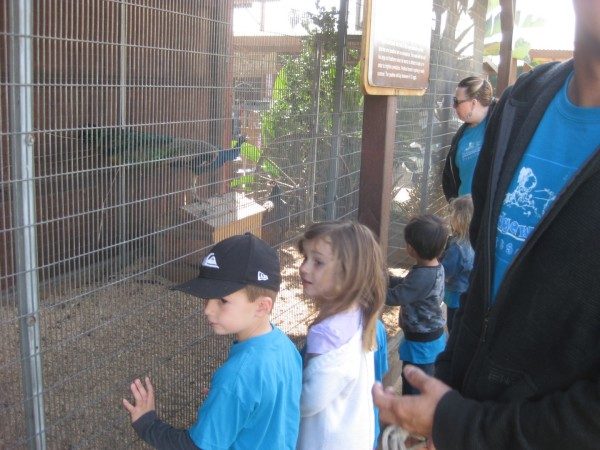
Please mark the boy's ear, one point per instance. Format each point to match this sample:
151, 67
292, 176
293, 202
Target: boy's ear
264, 305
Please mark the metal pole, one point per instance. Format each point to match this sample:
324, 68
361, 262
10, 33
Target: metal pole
431, 105
424, 203
337, 111
316, 112
23, 206
124, 168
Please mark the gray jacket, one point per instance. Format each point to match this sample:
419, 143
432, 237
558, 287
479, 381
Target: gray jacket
420, 294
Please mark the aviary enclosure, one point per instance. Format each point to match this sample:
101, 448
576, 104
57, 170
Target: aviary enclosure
133, 134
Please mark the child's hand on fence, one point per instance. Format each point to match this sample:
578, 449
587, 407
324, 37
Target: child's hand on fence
143, 399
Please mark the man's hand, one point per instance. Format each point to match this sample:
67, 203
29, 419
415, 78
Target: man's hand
143, 399
414, 413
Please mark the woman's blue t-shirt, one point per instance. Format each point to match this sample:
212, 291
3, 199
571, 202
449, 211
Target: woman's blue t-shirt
467, 153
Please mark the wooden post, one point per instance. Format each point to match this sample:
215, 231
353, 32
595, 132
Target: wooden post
375, 192
507, 22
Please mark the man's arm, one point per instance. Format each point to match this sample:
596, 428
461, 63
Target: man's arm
558, 420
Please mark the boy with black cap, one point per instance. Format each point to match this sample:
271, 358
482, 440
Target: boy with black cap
254, 396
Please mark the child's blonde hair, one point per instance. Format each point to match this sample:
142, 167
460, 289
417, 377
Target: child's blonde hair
360, 274
460, 214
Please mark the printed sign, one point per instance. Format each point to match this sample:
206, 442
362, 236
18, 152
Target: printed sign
396, 46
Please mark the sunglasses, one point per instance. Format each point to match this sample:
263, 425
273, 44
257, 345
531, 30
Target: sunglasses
456, 102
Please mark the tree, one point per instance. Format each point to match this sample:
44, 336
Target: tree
493, 32
297, 129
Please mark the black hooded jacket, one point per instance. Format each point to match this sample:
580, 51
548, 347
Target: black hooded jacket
532, 359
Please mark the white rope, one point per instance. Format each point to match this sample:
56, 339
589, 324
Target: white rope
394, 437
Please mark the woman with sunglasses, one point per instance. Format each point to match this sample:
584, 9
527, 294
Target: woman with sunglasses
473, 102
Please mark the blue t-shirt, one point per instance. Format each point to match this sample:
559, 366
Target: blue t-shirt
458, 263
254, 397
381, 367
381, 354
467, 153
565, 138
452, 299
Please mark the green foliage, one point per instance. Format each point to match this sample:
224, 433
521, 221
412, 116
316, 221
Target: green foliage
493, 31
244, 182
249, 151
298, 126
521, 49
253, 154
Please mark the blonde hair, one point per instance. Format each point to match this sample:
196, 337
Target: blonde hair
360, 272
460, 214
478, 88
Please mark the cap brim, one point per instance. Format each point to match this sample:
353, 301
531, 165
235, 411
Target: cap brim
209, 287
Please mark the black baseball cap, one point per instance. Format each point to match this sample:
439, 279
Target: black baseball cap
234, 263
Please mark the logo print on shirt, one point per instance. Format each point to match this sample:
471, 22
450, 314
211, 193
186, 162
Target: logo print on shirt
532, 202
472, 149
262, 276
210, 261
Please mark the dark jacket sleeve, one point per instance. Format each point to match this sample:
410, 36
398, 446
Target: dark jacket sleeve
557, 421
450, 178
483, 167
161, 435
414, 286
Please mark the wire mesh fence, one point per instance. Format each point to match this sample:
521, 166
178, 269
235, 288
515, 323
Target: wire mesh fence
134, 135
425, 125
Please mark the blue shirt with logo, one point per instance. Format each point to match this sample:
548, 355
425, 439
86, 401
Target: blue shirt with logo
467, 153
565, 138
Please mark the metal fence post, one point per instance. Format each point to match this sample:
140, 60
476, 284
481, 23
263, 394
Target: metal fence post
124, 163
316, 111
340, 64
24, 219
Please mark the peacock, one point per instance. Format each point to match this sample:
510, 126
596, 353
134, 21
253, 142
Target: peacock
208, 158
127, 146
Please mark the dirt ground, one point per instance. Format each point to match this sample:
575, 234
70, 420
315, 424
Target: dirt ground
96, 339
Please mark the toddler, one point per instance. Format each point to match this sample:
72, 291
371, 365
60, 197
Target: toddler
459, 255
420, 294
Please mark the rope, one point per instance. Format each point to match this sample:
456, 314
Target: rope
394, 438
